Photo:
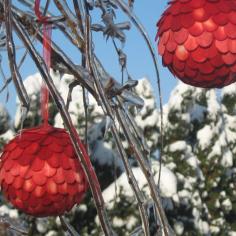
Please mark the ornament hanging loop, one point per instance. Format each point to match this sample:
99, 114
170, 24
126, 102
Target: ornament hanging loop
47, 34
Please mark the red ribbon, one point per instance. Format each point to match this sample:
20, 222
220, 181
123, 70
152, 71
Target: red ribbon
47, 31
47, 34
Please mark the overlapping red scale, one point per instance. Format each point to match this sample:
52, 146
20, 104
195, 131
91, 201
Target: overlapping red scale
197, 41
38, 169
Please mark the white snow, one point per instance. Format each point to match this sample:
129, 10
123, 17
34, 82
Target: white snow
227, 159
215, 229
205, 136
204, 227
168, 183
5, 210
229, 90
33, 84
144, 89
179, 228
213, 105
227, 204
8, 135
176, 98
178, 146
42, 225
51, 233
118, 222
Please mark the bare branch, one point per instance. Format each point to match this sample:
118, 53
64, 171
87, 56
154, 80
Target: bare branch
79, 148
165, 229
140, 27
132, 181
16, 77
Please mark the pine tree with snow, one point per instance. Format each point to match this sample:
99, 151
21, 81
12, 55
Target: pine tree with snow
199, 172
200, 143
102, 152
182, 116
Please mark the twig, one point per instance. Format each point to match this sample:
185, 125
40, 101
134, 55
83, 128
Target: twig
16, 77
104, 102
140, 27
68, 226
79, 148
132, 181
71, 22
6, 82
80, 15
165, 229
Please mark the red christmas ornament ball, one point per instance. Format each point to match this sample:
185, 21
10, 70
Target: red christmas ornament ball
40, 173
197, 41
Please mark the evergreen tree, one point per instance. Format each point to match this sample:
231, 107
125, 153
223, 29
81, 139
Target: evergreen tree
199, 148
199, 172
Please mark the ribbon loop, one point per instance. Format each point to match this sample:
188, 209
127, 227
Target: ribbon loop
47, 34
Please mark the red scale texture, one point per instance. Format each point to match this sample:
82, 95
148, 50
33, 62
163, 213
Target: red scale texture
38, 169
197, 41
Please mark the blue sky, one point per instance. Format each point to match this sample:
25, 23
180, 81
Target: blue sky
139, 62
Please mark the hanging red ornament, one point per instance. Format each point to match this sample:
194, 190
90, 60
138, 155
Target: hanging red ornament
40, 173
197, 41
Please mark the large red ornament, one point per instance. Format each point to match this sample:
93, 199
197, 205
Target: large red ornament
197, 41
40, 173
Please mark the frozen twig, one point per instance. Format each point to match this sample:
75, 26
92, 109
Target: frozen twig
132, 181
165, 228
88, 50
69, 228
6, 224
140, 27
71, 22
80, 151
80, 15
16, 77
